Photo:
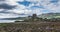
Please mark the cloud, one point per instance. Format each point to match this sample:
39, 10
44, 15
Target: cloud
2, 0
31, 6
43, 6
18, 8
6, 6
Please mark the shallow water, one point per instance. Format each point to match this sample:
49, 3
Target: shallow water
6, 21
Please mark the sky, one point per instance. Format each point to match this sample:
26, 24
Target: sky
17, 8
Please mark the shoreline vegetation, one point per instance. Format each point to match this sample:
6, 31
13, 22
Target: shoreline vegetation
34, 18
32, 24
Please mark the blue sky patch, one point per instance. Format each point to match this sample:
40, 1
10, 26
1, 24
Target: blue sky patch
25, 3
35, 7
46, 11
54, 1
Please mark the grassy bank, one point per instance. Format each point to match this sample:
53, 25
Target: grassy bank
33, 27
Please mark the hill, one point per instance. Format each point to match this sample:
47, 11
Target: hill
49, 15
